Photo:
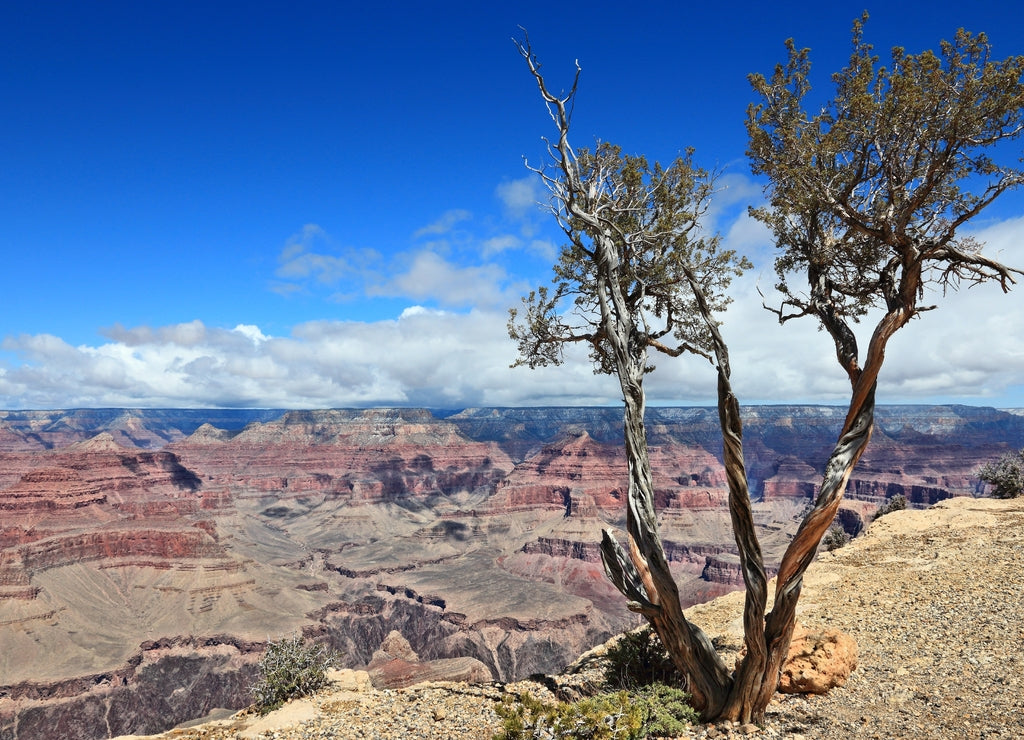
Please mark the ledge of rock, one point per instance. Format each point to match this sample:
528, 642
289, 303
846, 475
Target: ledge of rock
395, 665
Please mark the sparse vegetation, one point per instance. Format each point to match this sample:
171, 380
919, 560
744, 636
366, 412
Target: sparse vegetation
896, 503
1005, 475
290, 668
835, 538
639, 659
654, 711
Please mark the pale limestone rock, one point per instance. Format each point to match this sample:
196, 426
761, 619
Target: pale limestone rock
347, 679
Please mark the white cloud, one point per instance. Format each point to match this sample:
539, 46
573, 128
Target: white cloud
491, 247
732, 189
300, 259
416, 311
749, 237
187, 334
424, 358
546, 249
457, 269
428, 276
444, 224
521, 197
542, 248
449, 348
252, 332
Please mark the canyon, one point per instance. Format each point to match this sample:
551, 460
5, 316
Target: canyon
146, 556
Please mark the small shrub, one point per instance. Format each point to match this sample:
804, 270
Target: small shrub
289, 669
601, 717
667, 709
835, 538
896, 503
1005, 475
654, 711
639, 659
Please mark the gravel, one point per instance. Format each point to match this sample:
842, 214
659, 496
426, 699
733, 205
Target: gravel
933, 598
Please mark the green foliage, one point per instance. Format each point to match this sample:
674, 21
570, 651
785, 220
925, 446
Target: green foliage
668, 710
654, 711
289, 669
639, 659
635, 260
835, 538
868, 190
602, 717
1006, 475
896, 503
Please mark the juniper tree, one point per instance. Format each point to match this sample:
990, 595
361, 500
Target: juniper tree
639, 276
865, 201
1005, 475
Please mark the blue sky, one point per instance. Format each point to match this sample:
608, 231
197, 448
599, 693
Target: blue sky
324, 204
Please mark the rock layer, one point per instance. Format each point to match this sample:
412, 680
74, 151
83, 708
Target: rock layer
473, 535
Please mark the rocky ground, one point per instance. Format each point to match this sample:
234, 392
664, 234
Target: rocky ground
933, 599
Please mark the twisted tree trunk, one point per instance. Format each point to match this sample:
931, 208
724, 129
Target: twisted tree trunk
757, 680
639, 221
780, 622
643, 575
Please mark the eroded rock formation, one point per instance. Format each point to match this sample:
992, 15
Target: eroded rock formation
146, 556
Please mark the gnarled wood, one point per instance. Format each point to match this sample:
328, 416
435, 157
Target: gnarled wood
843, 219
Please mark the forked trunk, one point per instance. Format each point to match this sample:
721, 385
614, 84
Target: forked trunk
757, 679
688, 646
643, 576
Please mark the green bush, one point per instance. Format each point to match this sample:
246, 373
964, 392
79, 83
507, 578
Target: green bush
896, 503
654, 711
602, 717
835, 538
639, 659
1005, 475
667, 709
289, 668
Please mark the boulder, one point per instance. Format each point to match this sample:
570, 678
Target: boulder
817, 661
396, 666
394, 647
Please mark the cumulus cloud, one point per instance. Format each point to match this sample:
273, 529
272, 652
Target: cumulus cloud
972, 351
448, 348
252, 332
426, 357
428, 276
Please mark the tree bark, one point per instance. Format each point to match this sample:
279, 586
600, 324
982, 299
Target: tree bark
842, 247
780, 622
645, 577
